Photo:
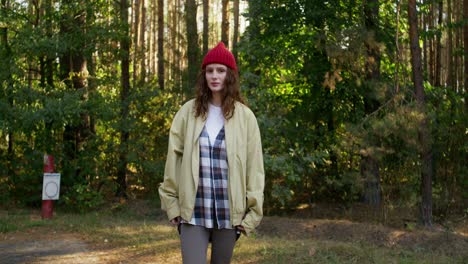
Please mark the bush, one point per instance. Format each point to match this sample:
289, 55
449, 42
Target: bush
82, 198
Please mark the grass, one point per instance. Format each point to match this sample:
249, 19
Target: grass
268, 250
18, 220
141, 233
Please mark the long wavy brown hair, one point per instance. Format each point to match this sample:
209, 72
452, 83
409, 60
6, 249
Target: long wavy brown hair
231, 94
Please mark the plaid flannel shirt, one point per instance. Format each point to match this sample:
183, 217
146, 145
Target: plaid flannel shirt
212, 201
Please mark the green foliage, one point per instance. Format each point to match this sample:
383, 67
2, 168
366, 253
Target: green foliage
39, 113
82, 198
152, 113
305, 72
295, 90
291, 176
450, 145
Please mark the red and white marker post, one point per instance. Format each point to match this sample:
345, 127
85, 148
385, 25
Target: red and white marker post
50, 188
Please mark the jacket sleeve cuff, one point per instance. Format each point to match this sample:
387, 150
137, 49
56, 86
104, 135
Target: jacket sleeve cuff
250, 222
173, 212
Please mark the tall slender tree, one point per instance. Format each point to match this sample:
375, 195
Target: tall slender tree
175, 32
235, 38
457, 58
49, 59
450, 69
73, 64
397, 48
424, 135
206, 11
161, 44
169, 50
142, 45
91, 67
369, 164
432, 60
424, 21
225, 23
192, 45
7, 86
180, 41
154, 39
438, 66
465, 50
136, 27
124, 94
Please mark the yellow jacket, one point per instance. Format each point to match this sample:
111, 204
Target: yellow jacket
246, 177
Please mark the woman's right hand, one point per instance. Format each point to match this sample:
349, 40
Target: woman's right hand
175, 221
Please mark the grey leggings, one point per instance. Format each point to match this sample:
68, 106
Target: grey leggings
194, 244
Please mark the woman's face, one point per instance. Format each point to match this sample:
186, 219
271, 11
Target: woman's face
215, 76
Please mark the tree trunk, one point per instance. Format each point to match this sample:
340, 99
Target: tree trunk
369, 165
161, 44
47, 71
169, 50
74, 70
92, 85
397, 49
154, 35
235, 38
152, 40
142, 47
124, 94
174, 41
179, 44
450, 75
371, 175
371, 12
136, 27
431, 46
92, 89
438, 66
424, 25
206, 11
6, 55
465, 49
42, 81
424, 135
225, 23
458, 65
192, 46
456, 59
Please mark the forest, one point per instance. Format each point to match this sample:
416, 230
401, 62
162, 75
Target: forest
360, 101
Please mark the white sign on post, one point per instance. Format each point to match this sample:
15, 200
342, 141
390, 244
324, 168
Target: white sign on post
51, 186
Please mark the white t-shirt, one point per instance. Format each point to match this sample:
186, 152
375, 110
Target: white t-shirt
214, 122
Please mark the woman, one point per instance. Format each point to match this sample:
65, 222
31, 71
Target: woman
214, 177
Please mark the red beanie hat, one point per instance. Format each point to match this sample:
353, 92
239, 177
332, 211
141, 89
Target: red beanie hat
221, 55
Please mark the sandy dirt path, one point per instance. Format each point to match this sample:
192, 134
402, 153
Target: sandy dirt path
46, 248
